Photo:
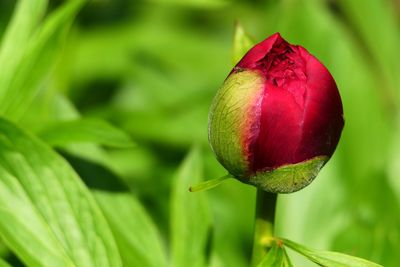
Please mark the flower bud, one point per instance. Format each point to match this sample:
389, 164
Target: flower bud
277, 118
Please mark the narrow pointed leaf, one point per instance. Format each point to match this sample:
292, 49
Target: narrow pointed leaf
329, 258
274, 258
287, 262
135, 233
21, 79
85, 131
190, 218
209, 184
25, 19
47, 215
195, 3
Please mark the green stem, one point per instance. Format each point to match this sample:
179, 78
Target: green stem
264, 225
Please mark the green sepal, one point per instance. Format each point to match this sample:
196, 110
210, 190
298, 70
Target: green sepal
231, 117
288, 178
209, 184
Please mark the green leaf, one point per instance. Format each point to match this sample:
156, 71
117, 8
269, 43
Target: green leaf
47, 215
194, 3
25, 19
287, 262
22, 75
328, 258
137, 237
275, 257
3, 263
241, 43
85, 131
190, 218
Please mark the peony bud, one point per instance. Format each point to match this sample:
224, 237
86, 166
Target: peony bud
277, 118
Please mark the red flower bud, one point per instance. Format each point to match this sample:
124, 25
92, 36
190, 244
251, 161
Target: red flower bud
278, 117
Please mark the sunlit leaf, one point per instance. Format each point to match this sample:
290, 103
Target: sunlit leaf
328, 258
26, 18
286, 262
47, 215
85, 131
194, 3
274, 258
3, 263
190, 218
22, 77
136, 235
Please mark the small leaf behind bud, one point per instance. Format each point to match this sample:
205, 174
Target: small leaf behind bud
241, 43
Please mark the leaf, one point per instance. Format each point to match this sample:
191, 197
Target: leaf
241, 43
85, 131
3, 263
275, 257
25, 19
136, 235
287, 262
194, 3
22, 75
47, 215
190, 218
328, 258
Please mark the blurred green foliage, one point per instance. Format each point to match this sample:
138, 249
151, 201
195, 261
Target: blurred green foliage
152, 67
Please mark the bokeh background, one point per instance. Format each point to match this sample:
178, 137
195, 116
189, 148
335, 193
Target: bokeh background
152, 67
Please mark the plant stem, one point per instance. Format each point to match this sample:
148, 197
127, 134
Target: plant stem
264, 225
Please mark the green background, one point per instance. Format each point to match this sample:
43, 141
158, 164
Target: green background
150, 68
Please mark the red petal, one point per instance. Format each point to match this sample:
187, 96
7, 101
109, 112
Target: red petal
280, 129
323, 114
258, 52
